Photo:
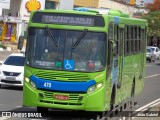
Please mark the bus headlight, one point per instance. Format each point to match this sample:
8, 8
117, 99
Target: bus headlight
27, 79
95, 87
99, 85
91, 89
33, 84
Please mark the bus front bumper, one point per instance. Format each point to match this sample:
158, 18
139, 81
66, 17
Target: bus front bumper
88, 102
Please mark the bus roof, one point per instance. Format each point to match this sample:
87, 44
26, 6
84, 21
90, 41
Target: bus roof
110, 13
106, 11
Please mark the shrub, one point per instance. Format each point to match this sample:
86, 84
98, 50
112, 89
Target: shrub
2, 46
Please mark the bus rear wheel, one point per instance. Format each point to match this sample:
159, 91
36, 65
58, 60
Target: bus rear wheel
42, 109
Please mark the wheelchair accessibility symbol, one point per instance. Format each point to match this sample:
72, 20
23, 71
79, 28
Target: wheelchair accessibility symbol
69, 64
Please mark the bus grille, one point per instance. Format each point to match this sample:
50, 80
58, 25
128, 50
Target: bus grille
64, 76
73, 97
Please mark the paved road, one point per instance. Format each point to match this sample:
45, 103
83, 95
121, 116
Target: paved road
151, 90
11, 97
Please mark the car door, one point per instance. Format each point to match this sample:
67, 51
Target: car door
158, 53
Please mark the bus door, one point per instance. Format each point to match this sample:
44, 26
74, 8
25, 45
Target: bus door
118, 58
143, 55
121, 83
110, 50
120, 53
143, 48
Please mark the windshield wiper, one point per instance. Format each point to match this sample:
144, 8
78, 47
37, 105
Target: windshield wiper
51, 35
80, 38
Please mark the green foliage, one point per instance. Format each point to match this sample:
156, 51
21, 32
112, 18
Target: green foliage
153, 19
2, 46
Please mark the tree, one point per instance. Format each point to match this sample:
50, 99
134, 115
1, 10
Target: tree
155, 6
153, 19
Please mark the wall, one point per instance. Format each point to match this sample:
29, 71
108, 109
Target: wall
14, 8
85, 3
115, 5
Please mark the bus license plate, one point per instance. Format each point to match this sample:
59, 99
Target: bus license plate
61, 97
11, 78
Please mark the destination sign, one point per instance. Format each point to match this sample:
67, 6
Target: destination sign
68, 19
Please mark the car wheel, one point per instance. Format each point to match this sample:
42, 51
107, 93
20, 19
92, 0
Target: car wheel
153, 59
150, 60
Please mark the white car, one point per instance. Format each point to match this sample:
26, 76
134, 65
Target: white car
12, 70
156, 51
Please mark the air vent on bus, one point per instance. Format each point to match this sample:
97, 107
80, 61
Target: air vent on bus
67, 76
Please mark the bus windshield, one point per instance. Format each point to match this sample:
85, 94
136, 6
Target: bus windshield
88, 55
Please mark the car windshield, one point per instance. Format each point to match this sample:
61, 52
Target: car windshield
69, 50
153, 49
148, 50
15, 60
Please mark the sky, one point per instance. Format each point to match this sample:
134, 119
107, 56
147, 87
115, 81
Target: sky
148, 1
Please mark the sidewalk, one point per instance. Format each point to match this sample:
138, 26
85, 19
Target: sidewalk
11, 46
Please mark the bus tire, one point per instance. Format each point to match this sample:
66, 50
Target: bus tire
133, 88
130, 109
42, 110
112, 98
101, 115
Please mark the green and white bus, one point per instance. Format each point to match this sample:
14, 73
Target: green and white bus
83, 59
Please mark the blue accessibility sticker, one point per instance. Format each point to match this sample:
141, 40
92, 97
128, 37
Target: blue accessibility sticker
116, 20
69, 64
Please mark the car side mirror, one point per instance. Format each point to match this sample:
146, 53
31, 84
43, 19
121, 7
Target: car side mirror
1, 62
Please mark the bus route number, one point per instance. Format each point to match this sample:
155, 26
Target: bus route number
47, 85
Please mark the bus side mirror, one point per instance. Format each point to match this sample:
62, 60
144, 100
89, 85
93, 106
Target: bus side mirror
20, 42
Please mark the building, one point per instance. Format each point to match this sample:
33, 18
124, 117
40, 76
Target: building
13, 22
9, 21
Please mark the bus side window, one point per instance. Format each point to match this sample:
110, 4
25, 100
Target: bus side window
116, 37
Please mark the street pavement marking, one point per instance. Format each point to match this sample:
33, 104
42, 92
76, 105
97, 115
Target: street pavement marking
152, 76
151, 104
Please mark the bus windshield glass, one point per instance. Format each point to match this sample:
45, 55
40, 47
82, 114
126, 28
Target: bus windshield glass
88, 55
